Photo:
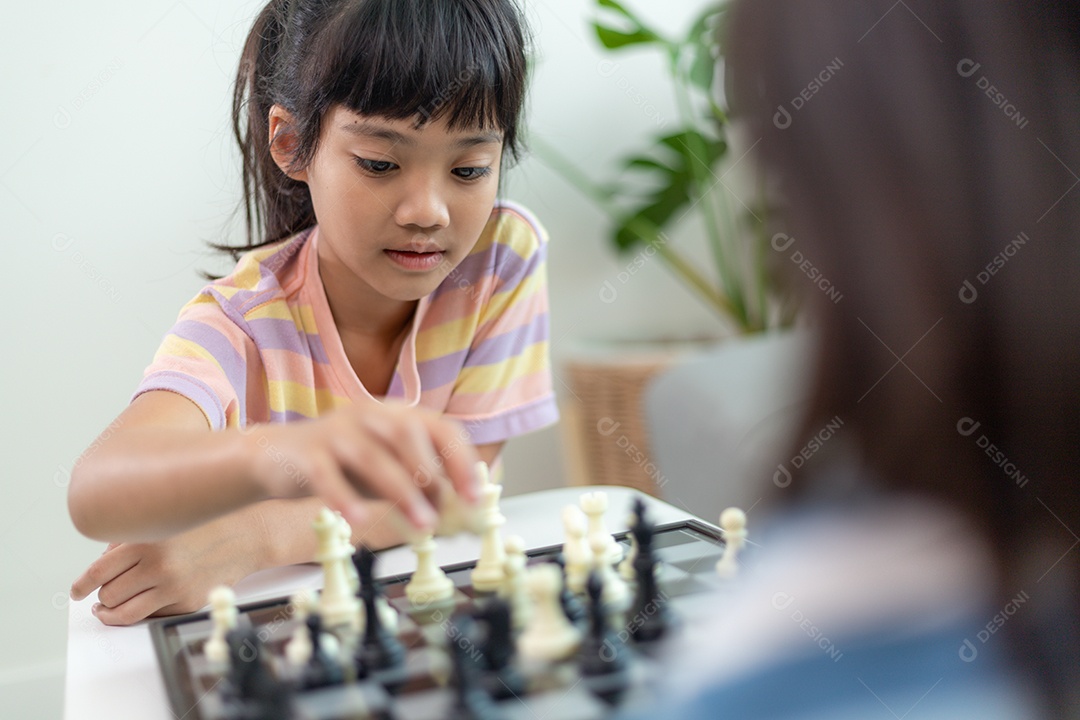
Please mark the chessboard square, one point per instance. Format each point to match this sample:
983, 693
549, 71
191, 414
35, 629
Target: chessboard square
356, 701
676, 583
680, 554
675, 538
574, 702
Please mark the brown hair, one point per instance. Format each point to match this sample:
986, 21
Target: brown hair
459, 59
925, 155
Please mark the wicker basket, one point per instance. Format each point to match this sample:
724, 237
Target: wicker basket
605, 431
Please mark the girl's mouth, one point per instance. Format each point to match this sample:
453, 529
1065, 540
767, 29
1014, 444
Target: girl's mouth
416, 261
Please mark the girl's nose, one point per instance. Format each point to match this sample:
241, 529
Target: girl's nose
423, 204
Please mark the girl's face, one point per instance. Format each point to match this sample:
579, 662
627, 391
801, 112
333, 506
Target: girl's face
400, 207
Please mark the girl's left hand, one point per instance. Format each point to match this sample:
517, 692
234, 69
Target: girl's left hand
173, 576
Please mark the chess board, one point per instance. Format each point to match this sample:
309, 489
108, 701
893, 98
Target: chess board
687, 552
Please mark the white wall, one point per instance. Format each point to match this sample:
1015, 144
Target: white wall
116, 167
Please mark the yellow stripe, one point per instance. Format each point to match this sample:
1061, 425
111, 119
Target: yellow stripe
486, 378
444, 339
276, 310
286, 395
501, 301
176, 346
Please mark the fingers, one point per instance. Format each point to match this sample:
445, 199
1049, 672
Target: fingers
110, 565
382, 472
458, 456
125, 586
137, 608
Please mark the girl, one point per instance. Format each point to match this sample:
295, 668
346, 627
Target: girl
386, 302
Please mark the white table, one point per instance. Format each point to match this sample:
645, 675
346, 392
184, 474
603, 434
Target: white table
112, 673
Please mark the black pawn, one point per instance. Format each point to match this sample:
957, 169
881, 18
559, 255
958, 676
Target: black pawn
572, 607
472, 701
321, 669
253, 693
651, 616
379, 650
501, 677
605, 664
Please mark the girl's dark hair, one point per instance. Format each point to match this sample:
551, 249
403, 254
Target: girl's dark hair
925, 156
425, 59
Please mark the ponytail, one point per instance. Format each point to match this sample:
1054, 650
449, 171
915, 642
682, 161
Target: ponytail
275, 205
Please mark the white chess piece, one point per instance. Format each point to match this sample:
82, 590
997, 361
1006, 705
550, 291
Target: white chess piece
616, 597
577, 554
429, 584
513, 588
595, 504
549, 636
223, 613
489, 572
733, 526
345, 538
299, 648
338, 604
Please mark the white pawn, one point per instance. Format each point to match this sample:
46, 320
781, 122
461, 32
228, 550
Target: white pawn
595, 504
223, 613
489, 572
429, 584
577, 554
345, 538
513, 588
338, 604
733, 527
299, 648
616, 597
549, 636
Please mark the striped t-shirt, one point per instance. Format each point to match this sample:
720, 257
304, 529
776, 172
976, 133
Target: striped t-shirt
260, 345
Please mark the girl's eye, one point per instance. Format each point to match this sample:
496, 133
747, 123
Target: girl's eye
471, 173
375, 167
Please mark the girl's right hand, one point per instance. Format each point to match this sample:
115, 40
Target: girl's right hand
403, 454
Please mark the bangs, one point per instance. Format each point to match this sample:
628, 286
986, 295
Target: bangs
453, 59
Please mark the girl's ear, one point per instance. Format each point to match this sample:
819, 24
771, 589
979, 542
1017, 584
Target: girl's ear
283, 142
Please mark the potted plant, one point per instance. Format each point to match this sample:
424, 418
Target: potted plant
673, 174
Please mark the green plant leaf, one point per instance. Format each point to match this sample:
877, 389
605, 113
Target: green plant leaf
613, 39
617, 7
702, 44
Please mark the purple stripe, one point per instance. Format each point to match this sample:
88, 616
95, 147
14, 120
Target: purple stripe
278, 334
441, 370
499, 260
518, 421
276, 416
214, 342
190, 387
492, 350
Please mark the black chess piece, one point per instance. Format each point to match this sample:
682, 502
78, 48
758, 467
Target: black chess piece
500, 675
379, 652
472, 701
572, 607
604, 658
321, 669
650, 616
252, 691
